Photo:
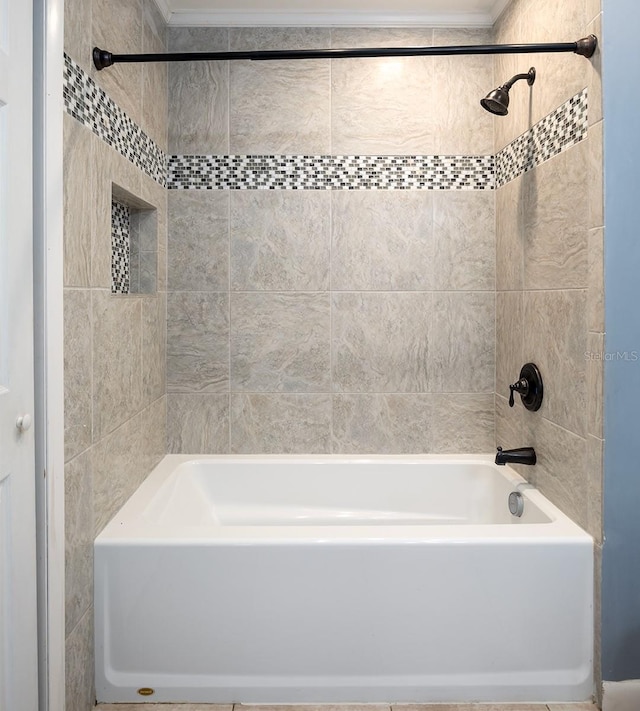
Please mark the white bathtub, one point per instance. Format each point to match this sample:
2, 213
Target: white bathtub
341, 579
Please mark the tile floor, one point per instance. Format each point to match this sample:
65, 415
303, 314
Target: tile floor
350, 707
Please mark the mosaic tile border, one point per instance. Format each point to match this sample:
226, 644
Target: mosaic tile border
120, 248
269, 172
560, 129
92, 107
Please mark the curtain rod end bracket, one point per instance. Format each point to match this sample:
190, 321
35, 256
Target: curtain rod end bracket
102, 58
587, 46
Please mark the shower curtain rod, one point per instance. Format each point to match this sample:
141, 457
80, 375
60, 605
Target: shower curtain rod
585, 47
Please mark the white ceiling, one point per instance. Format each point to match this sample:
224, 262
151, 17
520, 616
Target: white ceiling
467, 13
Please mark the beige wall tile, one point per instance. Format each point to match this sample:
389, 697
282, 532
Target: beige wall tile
595, 454
78, 513
154, 75
556, 340
510, 235
596, 171
462, 423
197, 423
462, 126
381, 341
280, 342
461, 347
280, 107
555, 205
153, 424
381, 423
509, 424
198, 342
79, 685
78, 184
198, 93
509, 339
198, 240
595, 391
280, 240
594, 73
561, 470
154, 348
118, 470
117, 359
595, 291
464, 226
117, 27
78, 349
382, 240
280, 423
77, 38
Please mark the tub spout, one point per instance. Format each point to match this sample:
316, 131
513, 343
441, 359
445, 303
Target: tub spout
522, 455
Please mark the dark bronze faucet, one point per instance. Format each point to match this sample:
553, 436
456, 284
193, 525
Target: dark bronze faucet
522, 455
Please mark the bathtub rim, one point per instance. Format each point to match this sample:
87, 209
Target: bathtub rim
129, 526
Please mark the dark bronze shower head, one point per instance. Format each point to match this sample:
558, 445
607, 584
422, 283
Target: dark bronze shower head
497, 101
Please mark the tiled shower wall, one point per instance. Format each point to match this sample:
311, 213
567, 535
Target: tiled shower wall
549, 231
338, 320
115, 404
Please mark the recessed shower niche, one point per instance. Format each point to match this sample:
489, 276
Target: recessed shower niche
134, 244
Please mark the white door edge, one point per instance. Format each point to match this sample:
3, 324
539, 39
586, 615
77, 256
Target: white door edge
49, 366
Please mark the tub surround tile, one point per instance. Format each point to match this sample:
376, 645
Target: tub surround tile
198, 105
596, 175
247, 39
558, 450
470, 707
118, 23
462, 342
464, 241
118, 470
198, 342
509, 424
153, 422
154, 76
78, 203
154, 347
381, 424
198, 241
461, 126
462, 423
279, 107
383, 105
595, 290
117, 361
78, 374
280, 423
587, 706
166, 707
280, 342
78, 511
510, 235
197, 423
595, 387
280, 241
595, 453
556, 340
77, 41
509, 339
79, 685
594, 71
381, 341
555, 206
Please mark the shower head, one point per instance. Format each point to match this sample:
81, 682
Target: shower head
497, 101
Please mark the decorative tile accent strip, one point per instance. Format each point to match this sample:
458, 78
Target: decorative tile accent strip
89, 104
120, 247
560, 129
272, 172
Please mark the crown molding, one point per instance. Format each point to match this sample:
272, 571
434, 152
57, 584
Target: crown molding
239, 18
